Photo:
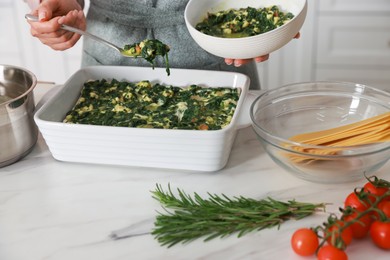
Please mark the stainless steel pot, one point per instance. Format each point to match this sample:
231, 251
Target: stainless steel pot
18, 132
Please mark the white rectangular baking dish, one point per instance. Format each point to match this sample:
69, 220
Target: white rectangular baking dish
162, 148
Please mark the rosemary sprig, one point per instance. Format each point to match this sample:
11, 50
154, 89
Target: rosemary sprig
192, 217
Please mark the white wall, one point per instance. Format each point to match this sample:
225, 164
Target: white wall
322, 53
342, 40
19, 48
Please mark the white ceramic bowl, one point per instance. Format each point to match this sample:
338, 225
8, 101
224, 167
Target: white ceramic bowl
247, 47
161, 148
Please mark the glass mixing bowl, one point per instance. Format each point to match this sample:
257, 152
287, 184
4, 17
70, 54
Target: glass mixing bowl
281, 113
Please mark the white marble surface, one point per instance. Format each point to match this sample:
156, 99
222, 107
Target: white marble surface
52, 210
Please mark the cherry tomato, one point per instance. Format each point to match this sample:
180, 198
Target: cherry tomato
375, 191
329, 252
361, 227
380, 234
357, 202
346, 234
304, 242
384, 206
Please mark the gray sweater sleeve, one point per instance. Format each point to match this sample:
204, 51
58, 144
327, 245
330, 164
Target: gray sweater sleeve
81, 2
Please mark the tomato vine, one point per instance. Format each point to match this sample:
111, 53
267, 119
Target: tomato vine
366, 213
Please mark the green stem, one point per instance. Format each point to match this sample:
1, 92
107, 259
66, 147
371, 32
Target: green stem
359, 215
220, 216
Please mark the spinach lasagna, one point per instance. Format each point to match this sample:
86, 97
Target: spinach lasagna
243, 22
147, 105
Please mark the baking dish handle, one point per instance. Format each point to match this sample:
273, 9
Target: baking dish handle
244, 119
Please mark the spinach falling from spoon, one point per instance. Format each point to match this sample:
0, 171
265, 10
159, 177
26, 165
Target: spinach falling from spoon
149, 50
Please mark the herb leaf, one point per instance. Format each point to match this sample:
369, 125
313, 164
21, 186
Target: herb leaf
192, 217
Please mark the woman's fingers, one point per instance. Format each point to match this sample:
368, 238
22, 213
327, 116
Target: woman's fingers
44, 27
229, 61
74, 18
262, 58
69, 43
240, 62
61, 40
237, 62
51, 34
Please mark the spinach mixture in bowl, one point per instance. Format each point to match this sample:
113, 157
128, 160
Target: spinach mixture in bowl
243, 22
146, 105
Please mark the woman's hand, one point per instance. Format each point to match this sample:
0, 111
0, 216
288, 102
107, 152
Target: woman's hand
240, 62
53, 13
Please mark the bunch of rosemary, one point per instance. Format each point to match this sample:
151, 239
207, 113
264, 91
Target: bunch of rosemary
219, 216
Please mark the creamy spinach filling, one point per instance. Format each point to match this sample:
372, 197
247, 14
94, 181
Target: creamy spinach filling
243, 22
149, 50
146, 105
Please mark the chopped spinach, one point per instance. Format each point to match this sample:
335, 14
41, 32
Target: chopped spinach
149, 50
243, 22
144, 105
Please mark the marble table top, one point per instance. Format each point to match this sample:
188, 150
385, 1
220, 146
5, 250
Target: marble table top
53, 210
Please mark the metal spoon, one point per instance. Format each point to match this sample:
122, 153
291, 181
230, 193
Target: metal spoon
81, 32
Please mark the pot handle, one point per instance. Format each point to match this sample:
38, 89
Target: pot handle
244, 119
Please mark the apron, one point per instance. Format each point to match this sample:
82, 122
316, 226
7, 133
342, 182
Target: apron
128, 21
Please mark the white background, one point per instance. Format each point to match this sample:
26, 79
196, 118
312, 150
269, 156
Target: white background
344, 40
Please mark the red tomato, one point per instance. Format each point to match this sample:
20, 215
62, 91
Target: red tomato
329, 252
304, 242
346, 234
384, 206
380, 234
357, 202
375, 191
361, 227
